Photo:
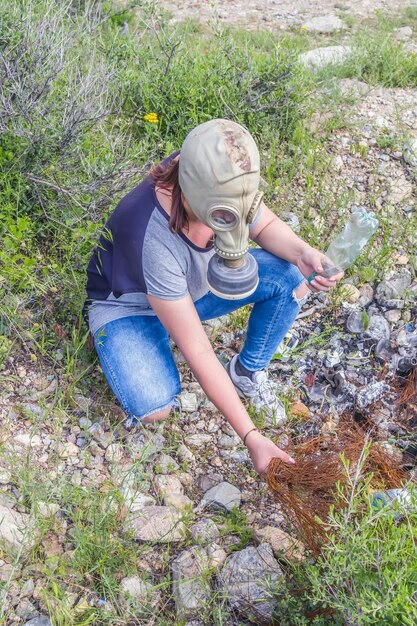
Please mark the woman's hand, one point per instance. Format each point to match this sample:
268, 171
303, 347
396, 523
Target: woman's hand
310, 261
262, 450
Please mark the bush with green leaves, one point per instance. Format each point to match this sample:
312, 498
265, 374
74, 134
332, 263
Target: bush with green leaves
366, 574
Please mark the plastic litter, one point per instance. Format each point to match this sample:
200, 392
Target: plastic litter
401, 498
345, 248
370, 394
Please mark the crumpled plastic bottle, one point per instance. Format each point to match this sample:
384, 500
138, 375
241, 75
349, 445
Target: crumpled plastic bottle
345, 248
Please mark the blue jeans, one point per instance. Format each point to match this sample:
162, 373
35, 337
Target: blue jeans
135, 352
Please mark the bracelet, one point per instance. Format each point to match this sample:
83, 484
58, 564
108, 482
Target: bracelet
248, 433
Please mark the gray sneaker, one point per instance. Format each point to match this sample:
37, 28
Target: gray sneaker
261, 392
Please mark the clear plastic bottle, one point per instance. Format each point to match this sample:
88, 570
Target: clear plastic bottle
345, 248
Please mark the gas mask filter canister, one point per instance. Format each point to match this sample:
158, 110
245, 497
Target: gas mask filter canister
219, 174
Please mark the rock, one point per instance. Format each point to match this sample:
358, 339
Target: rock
27, 441
166, 484
282, 544
217, 555
393, 316
41, 620
366, 295
223, 497
300, 410
84, 423
67, 450
226, 441
404, 33
178, 501
338, 163
392, 288
161, 524
199, 440
324, 24
191, 588
16, 529
320, 57
5, 476
83, 403
97, 432
378, 327
114, 453
48, 509
189, 402
184, 454
186, 479
204, 531
351, 293
25, 609
27, 588
410, 152
291, 219
247, 579
353, 87
145, 444
137, 596
207, 481
400, 189
135, 501
165, 464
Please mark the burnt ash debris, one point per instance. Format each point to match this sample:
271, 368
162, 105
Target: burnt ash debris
359, 381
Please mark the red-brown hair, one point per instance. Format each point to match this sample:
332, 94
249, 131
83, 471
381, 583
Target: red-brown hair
166, 177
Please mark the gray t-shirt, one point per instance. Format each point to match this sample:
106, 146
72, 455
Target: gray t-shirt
137, 256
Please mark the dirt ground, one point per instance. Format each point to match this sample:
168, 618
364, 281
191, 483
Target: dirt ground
277, 14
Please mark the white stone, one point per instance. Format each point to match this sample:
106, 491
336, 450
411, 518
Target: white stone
27, 441
338, 163
199, 440
114, 453
204, 531
5, 476
189, 402
48, 509
136, 500
67, 450
217, 555
16, 529
165, 464
137, 595
166, 484
324, 24
191, 588
161, 524
184, 454
282, 544
400, 189
351, 293
320, 57
178, 501
223, 496
404, 33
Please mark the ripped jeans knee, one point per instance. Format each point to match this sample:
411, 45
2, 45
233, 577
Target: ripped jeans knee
300, 294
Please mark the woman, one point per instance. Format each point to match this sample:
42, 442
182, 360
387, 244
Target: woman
147, 281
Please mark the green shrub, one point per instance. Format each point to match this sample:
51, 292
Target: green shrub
366, 574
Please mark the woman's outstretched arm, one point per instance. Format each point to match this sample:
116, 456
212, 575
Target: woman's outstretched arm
180, 319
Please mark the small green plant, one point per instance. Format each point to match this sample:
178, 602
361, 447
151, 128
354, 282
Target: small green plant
366, 572
235, 523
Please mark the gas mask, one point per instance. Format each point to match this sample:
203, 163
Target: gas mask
219, 173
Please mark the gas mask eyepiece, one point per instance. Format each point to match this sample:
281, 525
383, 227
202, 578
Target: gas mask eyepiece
232, 272
219, 173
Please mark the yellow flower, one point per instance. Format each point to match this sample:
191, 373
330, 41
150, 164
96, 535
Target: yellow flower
152, 118
304, 27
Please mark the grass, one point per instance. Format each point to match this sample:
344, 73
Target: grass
62, 173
